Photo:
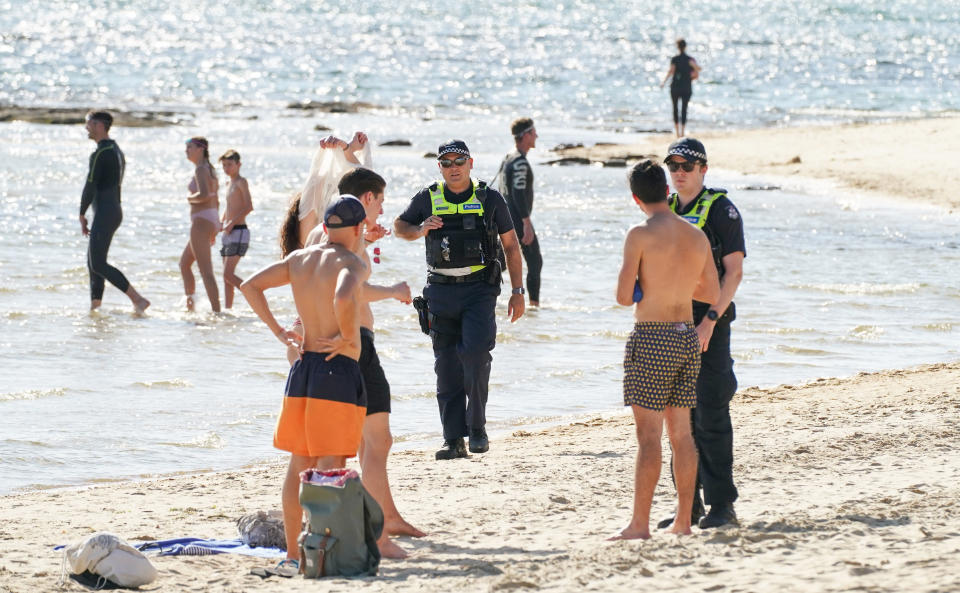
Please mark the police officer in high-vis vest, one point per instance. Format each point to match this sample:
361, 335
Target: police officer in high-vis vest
712, 211
464, 222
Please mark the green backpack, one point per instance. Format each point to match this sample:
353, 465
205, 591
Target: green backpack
343, 525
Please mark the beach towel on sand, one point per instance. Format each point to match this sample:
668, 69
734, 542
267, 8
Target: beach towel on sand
195, 546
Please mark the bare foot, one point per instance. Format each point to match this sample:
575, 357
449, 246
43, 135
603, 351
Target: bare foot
630, 533
677, 530
190, 303
140, 306
94, 305
388, 549
401, 527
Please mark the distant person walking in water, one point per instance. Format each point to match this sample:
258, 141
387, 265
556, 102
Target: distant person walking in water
204, 224
683, 71
236, 235
102, 192
666, 264
516, 184
711, 211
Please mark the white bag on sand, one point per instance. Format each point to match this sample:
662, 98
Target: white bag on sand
110, 557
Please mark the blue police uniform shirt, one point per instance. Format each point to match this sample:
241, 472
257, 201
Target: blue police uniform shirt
420, 207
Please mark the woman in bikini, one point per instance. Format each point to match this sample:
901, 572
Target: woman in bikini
204, 224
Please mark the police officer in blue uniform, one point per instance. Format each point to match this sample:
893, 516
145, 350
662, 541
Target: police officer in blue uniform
464, 222
713, 212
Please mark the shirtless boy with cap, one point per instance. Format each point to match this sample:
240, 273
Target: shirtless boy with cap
325, 402
666, 263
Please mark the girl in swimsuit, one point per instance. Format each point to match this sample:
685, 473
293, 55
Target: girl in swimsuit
204, 224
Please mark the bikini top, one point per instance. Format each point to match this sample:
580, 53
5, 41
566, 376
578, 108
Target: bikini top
192, 186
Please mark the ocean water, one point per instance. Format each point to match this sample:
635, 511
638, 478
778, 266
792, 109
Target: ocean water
836, 283
594, 64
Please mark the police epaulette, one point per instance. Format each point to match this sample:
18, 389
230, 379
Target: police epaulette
481, 191
433, 186
717, 190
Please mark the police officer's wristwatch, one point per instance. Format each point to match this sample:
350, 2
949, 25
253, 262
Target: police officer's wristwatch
712, 315
518, 290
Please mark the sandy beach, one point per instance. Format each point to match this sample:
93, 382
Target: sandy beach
846, 484
833, 126
903, 159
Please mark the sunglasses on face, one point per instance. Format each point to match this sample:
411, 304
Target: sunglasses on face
687, 166
459, 161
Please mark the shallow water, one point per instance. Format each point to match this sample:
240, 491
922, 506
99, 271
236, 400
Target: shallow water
835, 283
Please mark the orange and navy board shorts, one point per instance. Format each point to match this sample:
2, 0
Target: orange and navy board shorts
660, 365
324, 406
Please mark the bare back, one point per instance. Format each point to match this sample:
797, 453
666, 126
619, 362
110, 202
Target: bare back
672, 257
321, 277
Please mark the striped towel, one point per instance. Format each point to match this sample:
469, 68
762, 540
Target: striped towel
195, 546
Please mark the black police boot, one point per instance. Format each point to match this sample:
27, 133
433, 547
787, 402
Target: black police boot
479, 443
719, 515
453, 449
696, 511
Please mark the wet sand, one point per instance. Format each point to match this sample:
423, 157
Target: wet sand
909, 160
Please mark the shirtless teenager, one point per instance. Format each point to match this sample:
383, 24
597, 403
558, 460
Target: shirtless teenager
666, 264
369, 188
321, 422
236, 236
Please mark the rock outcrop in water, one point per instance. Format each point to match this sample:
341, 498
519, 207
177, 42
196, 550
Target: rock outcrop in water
76, 115
333, 106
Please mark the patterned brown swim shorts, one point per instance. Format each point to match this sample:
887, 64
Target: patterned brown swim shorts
660, 365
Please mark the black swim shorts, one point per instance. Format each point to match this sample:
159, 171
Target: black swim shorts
378, 390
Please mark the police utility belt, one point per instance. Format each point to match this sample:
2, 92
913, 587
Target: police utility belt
434, 278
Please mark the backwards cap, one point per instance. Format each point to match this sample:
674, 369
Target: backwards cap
346, 211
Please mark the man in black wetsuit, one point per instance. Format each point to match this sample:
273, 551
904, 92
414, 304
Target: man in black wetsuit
516, 184
462, 221
102, 192
711, 211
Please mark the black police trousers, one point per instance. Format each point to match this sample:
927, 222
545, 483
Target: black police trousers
464, 331
712, 429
